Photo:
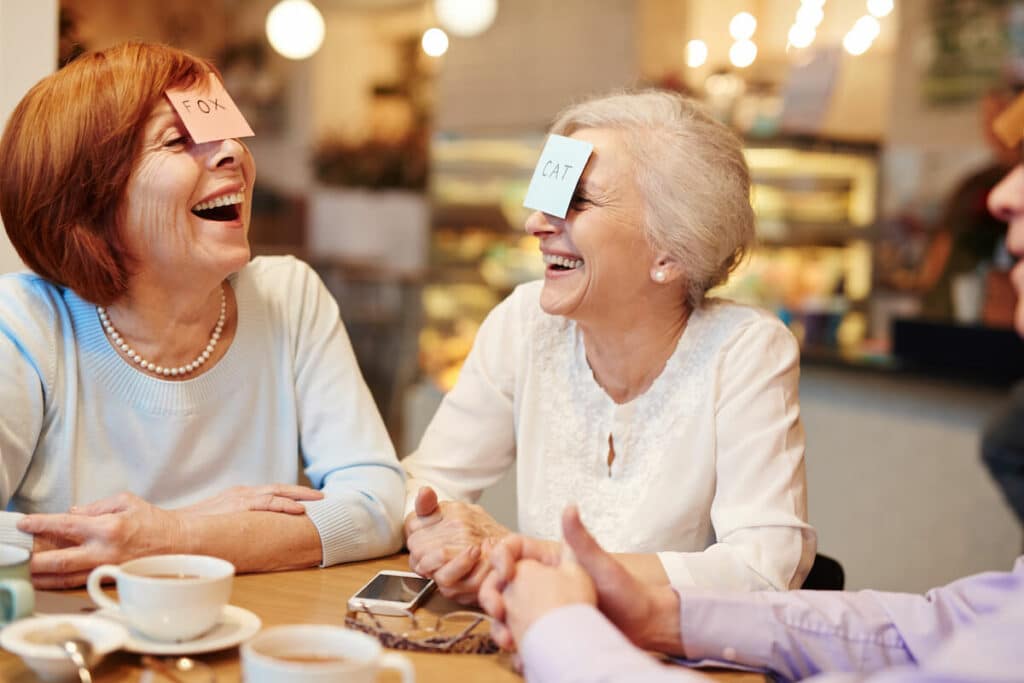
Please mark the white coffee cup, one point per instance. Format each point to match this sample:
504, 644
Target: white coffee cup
318, 653
167, 597
16, 596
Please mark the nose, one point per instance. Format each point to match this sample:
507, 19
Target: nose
1006, 202
540, 223
225, 153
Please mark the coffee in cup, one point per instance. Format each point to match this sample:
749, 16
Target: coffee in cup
318, 653
17, 598
167, 597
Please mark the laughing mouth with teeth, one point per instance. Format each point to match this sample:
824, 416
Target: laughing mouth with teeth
224, 208
561, 262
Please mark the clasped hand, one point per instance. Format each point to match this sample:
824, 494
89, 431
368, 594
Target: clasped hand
531, 578
68, 546
450, 542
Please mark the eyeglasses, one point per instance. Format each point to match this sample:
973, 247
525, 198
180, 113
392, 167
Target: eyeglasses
453, 632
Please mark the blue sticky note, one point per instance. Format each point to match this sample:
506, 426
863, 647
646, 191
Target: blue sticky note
558, 170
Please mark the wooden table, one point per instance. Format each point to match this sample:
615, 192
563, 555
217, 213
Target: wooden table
316, 596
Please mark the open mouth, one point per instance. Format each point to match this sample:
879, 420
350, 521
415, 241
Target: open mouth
562, 263
224, 208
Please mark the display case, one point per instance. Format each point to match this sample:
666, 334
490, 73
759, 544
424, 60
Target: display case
479, 251
815, 204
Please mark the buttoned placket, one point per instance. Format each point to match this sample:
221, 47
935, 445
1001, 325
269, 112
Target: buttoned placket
618, 436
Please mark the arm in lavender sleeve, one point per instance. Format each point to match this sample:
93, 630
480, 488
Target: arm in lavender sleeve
987, 650
577, 644
965, 631
802, 633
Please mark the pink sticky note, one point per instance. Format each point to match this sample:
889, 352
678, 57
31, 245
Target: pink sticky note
209, 113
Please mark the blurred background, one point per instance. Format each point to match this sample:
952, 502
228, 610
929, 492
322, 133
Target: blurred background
395, 140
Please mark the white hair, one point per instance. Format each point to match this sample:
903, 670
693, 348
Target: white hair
691, 173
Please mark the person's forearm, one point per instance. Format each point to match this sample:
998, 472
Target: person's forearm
577, 643
753, 559
644, 566
358, 520
254, 541
796, 634
663, 632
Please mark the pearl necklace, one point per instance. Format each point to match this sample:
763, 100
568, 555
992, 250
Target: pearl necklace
120, 343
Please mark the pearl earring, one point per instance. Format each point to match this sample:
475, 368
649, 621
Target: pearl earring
659, 276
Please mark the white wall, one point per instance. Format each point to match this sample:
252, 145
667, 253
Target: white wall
537, 58
896, 487
28, 51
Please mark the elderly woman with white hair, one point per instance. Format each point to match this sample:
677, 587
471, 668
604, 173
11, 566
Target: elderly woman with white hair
670, 418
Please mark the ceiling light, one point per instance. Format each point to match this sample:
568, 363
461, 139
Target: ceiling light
868, 26
295, 28
742, 53
856, 43
810, 15
466, 18
801, 35
434, 42
696, 53
742, 26
880, 8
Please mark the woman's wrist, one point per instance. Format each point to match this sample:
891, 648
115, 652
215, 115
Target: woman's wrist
185, 532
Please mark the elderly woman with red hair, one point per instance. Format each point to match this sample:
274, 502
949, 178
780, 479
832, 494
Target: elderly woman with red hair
157, 385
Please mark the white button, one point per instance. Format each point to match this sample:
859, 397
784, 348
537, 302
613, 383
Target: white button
729, 653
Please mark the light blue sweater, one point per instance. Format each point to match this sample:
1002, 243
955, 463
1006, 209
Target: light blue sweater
79, 423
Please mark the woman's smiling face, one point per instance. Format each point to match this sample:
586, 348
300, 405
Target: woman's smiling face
597, 257
187, 205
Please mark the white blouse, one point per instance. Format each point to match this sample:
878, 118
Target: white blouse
709, 462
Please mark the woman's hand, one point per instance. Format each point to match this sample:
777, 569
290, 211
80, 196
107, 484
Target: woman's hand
450, 542
109, 531
536, 590
270, 498
648, 614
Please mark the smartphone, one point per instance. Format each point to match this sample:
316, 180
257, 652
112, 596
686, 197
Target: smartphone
391, 592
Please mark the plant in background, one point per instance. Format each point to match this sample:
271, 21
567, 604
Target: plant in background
376, 164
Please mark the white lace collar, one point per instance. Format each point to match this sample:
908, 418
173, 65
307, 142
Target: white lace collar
580, 416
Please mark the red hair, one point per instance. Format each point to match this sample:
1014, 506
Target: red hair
66, 156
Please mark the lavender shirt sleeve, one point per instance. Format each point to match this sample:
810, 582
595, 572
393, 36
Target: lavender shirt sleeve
967, 631
989, 650
576, 644
804, 633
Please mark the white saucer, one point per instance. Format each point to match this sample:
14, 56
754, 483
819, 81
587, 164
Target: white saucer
237, 624
50, 662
